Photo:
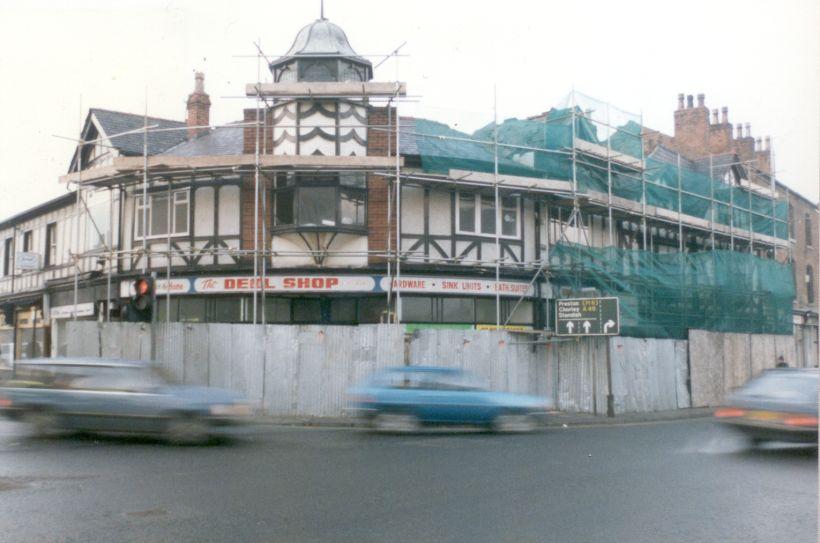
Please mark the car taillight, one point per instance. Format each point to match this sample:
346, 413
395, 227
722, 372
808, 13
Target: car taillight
727, 412
5, 402
804, 421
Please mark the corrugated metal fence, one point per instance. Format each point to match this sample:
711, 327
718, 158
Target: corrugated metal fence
722, 361
305, 370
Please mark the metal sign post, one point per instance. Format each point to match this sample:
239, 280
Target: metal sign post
587, 317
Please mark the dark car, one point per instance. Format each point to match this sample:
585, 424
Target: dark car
402, 399
99, 395
779, 405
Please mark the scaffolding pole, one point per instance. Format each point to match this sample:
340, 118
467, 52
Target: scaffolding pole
497, 211
398, 208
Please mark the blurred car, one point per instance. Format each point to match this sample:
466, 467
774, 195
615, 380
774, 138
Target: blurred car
402, 399
99, 395
779, 405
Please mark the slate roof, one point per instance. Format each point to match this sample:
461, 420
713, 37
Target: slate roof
223, 140
115, 122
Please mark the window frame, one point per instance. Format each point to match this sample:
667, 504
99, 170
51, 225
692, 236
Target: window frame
293, 184
172, 201
50, 253
477, 215
28, 240
809, 227
8, 257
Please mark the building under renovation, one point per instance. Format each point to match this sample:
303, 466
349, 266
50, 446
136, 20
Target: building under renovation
324, 204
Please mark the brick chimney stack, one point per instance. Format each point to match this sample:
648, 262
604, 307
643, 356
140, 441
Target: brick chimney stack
199, 108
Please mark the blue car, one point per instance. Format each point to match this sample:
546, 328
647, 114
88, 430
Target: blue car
402, 399
99, 395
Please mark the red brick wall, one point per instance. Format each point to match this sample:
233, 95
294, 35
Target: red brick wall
249, 132
377, 202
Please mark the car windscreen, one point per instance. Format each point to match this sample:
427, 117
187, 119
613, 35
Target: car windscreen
783, 386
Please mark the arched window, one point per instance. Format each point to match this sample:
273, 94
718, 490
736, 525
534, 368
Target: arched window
809, 284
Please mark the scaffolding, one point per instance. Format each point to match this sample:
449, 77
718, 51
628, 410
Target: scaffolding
580, 161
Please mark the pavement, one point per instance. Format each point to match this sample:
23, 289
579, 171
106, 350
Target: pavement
553, 419
679, 480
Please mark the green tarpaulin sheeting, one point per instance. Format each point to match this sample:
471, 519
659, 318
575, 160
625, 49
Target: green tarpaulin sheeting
542, 148
664, 295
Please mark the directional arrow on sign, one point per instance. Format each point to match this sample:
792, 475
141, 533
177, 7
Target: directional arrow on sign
608, 324
570, 326
586, 327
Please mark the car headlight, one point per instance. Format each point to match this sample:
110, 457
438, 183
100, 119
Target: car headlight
231, 410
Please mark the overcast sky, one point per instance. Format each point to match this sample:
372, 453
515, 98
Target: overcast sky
759, 58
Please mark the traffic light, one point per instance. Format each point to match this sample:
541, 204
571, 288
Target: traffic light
141, 304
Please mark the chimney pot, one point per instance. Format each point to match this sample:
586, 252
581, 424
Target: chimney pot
714, 116
725, 115
739, 131
690, 101
680, 100
758, 144
701, 100
768, 141
748, 130
199, 83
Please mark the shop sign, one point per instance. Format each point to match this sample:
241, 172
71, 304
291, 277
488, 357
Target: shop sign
445, 285
27, 261
289, 284
67, 311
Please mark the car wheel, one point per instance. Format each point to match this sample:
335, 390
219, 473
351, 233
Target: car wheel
42, 422
509, 423
398, 423
187, 430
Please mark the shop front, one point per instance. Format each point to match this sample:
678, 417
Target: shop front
341, 299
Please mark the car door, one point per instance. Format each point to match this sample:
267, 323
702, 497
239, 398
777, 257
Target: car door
454, 398
121, 399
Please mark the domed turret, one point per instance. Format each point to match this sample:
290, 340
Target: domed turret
321, 52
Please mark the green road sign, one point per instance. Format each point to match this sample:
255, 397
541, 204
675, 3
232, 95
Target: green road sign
587, 317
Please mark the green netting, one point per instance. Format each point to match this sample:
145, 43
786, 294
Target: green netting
660, 196
542, 148
664, 295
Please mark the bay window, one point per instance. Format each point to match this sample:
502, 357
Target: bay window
320, 201
477, 215
158, 214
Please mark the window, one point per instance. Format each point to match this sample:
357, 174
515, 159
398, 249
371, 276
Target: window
157, 214
373, 309
27, 237
477, 215
808, 230
809, 284
342, 310
277, 309
8, 257
320, 201
416, 309
466, 212
457, 310
307, 310
318, 70
51, 244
